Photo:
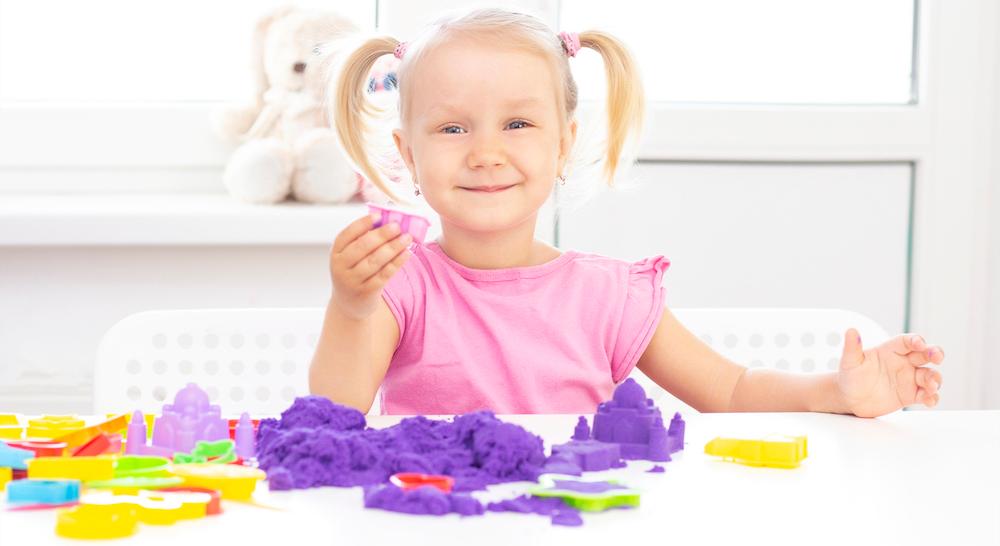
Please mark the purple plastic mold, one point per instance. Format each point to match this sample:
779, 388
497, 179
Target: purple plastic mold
245, 437
181, 425
413, 224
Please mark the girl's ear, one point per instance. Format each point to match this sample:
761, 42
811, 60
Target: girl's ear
405, 152
566, 142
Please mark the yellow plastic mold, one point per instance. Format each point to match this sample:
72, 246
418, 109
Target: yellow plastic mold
83, 435
10, 427
193, 505
100, 467
773, 451
232, 481
98, 521
53, 426
156, 508
11, 432
6, 474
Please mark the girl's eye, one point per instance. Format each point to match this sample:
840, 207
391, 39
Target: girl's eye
517, 124
453, 130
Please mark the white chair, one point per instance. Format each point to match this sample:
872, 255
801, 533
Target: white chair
257, 360
788, 339
254, 360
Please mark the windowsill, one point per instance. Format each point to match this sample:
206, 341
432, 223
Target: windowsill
166, 219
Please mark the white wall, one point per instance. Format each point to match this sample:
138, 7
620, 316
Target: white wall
56, 302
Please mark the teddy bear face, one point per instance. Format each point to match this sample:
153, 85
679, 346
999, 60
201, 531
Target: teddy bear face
291, 52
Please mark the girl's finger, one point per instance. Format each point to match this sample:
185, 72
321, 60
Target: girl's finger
931, 355
354, 230
906, 343
931, 400
383, 275
376, 261
368, 243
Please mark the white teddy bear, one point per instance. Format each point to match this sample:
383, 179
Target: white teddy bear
286, 144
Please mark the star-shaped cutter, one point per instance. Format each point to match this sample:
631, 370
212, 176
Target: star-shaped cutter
586, 495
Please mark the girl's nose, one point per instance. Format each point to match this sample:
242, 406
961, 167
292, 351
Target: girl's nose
487, 151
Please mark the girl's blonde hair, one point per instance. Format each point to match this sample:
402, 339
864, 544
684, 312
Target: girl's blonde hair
352, 108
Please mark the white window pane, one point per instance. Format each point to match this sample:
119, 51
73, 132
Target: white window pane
760, 51
405, 18
761, 235
120, 50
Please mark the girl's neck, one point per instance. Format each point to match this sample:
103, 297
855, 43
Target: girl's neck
515, 247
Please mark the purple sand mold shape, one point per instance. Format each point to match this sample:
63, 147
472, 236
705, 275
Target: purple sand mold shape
191, 418
633, 422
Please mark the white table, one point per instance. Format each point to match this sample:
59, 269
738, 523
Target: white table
920, 477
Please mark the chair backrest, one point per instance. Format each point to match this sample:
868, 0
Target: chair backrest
789, 339
254, 360
257, 360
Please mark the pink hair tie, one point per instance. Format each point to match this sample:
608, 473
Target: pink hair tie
570, 42
400, 50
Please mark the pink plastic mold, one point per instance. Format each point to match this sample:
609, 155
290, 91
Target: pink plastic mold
410, 223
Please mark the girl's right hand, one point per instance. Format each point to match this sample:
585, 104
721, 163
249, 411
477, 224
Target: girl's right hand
362, 261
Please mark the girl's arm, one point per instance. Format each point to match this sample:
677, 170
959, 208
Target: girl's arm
360, 333
352, 356
869, 383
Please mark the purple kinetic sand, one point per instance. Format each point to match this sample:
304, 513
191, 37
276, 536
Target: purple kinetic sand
633, 422
675, 436
585, 487
589, 455
657, 469
561, 513
562, 463
582, 430
422, 500
319, 443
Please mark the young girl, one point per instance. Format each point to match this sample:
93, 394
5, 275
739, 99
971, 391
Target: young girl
487, 317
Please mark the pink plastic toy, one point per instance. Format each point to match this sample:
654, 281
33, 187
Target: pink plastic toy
185, 422
408, 223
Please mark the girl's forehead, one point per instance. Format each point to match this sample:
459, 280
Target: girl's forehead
459, 72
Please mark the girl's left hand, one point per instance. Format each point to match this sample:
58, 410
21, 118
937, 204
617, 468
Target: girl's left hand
878, 381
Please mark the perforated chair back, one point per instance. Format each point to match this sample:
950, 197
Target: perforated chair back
254, 360
257, 360
788, 339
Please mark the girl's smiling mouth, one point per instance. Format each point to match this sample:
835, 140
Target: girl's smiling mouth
487, 189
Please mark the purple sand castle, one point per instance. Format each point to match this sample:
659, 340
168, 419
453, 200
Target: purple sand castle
182, 424
631, 423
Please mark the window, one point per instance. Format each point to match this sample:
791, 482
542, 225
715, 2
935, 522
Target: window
764, 51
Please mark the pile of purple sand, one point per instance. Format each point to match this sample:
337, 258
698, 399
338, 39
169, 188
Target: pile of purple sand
318, 443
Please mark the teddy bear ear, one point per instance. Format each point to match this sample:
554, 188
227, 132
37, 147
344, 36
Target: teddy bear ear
259, 38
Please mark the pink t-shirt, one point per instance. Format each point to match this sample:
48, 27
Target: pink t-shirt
552, 338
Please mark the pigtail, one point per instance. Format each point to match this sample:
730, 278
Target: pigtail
351, 106
625, 100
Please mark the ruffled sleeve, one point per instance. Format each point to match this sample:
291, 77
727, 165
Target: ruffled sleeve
641, 314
